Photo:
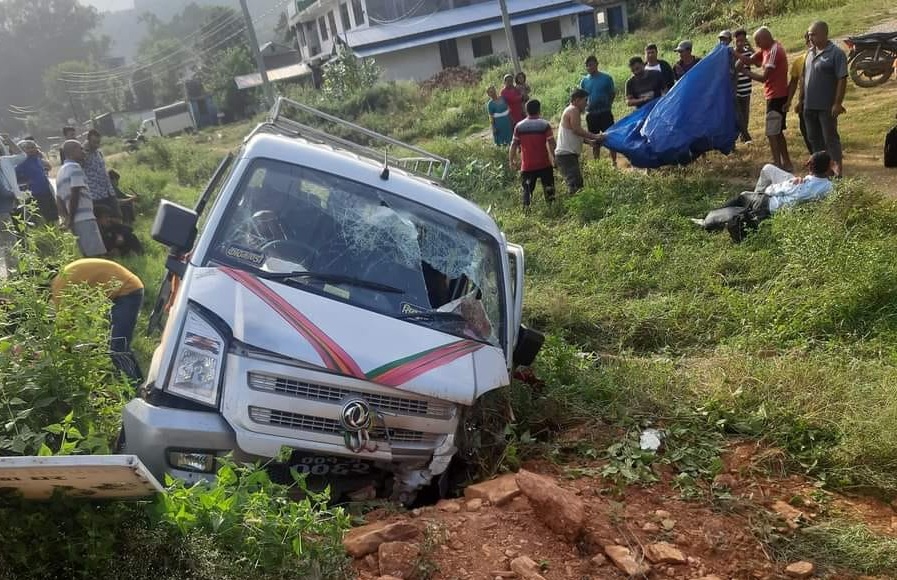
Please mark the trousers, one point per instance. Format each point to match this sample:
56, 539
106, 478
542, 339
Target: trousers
822, 133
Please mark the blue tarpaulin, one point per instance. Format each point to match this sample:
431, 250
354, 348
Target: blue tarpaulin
696, 116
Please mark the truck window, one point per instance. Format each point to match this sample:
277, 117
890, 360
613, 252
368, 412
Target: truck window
284, 218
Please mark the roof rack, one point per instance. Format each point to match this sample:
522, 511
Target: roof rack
366, 143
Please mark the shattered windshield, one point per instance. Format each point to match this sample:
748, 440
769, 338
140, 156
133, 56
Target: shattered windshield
353, 242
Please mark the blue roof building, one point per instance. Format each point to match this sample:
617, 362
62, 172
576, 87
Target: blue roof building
415, 39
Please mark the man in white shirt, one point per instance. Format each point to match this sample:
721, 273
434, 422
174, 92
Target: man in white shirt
775, 189
75, 203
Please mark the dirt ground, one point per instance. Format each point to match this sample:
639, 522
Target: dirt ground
721, 538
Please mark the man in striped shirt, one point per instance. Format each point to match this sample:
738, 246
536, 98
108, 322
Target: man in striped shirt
534, 139
743, 86
75, 204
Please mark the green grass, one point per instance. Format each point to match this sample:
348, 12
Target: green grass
843, 545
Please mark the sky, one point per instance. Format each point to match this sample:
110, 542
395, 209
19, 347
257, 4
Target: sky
110, 5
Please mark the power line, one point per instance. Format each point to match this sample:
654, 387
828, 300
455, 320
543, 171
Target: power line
205, 30
195, 58
128, 71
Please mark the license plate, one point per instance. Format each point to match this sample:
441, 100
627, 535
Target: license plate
333, 466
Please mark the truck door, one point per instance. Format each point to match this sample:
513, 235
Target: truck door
515, 260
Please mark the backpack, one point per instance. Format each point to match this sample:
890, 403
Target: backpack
891, 148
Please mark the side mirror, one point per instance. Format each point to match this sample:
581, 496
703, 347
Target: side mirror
175, 226
529, 343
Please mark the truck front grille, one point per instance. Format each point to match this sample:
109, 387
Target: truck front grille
328, 394
331, 427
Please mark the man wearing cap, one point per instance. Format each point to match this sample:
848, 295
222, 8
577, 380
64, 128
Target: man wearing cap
687, 60
771, 56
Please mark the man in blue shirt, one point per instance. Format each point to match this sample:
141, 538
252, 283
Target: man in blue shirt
602, 93
33, 172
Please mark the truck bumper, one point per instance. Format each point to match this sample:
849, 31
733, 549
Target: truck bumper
152, 432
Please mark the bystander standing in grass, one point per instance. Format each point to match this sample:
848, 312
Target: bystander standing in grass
822, 100
771, 56
653, 63
68, 133
743, 86
570, 139
500, 118
514, 99
602, 93
534, 140
644, 85
687, 60
74, 202
33, 171
522, 87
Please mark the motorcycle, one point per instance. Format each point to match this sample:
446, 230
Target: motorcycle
872, 58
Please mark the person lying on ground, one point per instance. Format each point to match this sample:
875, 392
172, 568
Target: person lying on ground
123, 288
775, 189
118, 238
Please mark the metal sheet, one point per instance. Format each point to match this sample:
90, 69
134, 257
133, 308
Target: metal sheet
87, 476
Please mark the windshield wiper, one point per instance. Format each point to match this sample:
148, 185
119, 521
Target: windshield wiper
333, 278
431, 315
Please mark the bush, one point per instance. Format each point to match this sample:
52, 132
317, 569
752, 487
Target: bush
59, 393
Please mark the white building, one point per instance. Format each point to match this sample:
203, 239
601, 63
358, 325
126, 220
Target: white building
415, 39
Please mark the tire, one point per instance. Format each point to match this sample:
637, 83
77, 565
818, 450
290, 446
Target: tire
882, 68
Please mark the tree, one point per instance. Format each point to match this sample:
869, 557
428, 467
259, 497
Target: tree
283, 33
346, 74
82, 101
36, 35
219, 80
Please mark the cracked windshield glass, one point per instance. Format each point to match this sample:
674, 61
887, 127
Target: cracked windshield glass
359, 244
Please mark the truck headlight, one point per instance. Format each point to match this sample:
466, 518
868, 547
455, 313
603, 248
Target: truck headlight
200, 356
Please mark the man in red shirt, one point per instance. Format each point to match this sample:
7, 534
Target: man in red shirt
534, 140
774, 76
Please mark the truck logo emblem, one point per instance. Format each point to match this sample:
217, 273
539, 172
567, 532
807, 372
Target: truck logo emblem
356, 419
356, 416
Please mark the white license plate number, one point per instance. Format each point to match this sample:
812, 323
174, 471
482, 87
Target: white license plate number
335, 466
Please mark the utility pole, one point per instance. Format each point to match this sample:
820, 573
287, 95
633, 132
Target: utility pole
512, 46
260, 62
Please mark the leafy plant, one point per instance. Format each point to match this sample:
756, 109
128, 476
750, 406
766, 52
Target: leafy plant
257, 519
346, 74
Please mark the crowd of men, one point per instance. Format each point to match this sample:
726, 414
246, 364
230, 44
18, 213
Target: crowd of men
85, 197
813, 87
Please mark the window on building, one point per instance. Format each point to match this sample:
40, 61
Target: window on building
482, 46
344, 17
551, 31
332, 20
358, 11
322, 26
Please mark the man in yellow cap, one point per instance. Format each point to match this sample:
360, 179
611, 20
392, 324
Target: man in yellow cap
124, 289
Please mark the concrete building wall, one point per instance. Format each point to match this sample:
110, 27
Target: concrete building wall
415, 64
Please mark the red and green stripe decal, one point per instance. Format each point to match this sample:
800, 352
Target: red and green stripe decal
338, 360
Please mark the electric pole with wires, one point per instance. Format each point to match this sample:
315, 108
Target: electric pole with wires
512, 46
254, 46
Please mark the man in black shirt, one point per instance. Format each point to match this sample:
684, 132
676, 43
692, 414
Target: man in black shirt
644, 85
659, 65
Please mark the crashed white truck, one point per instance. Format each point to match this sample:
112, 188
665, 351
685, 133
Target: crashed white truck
338, 303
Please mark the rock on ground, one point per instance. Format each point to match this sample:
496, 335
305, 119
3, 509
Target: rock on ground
498, 491
664, 553
624, 560
791, 515
398, 559
448, 505
560, 509
800, 569
526, 568
365, 540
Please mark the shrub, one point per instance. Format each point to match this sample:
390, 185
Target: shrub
346, 74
